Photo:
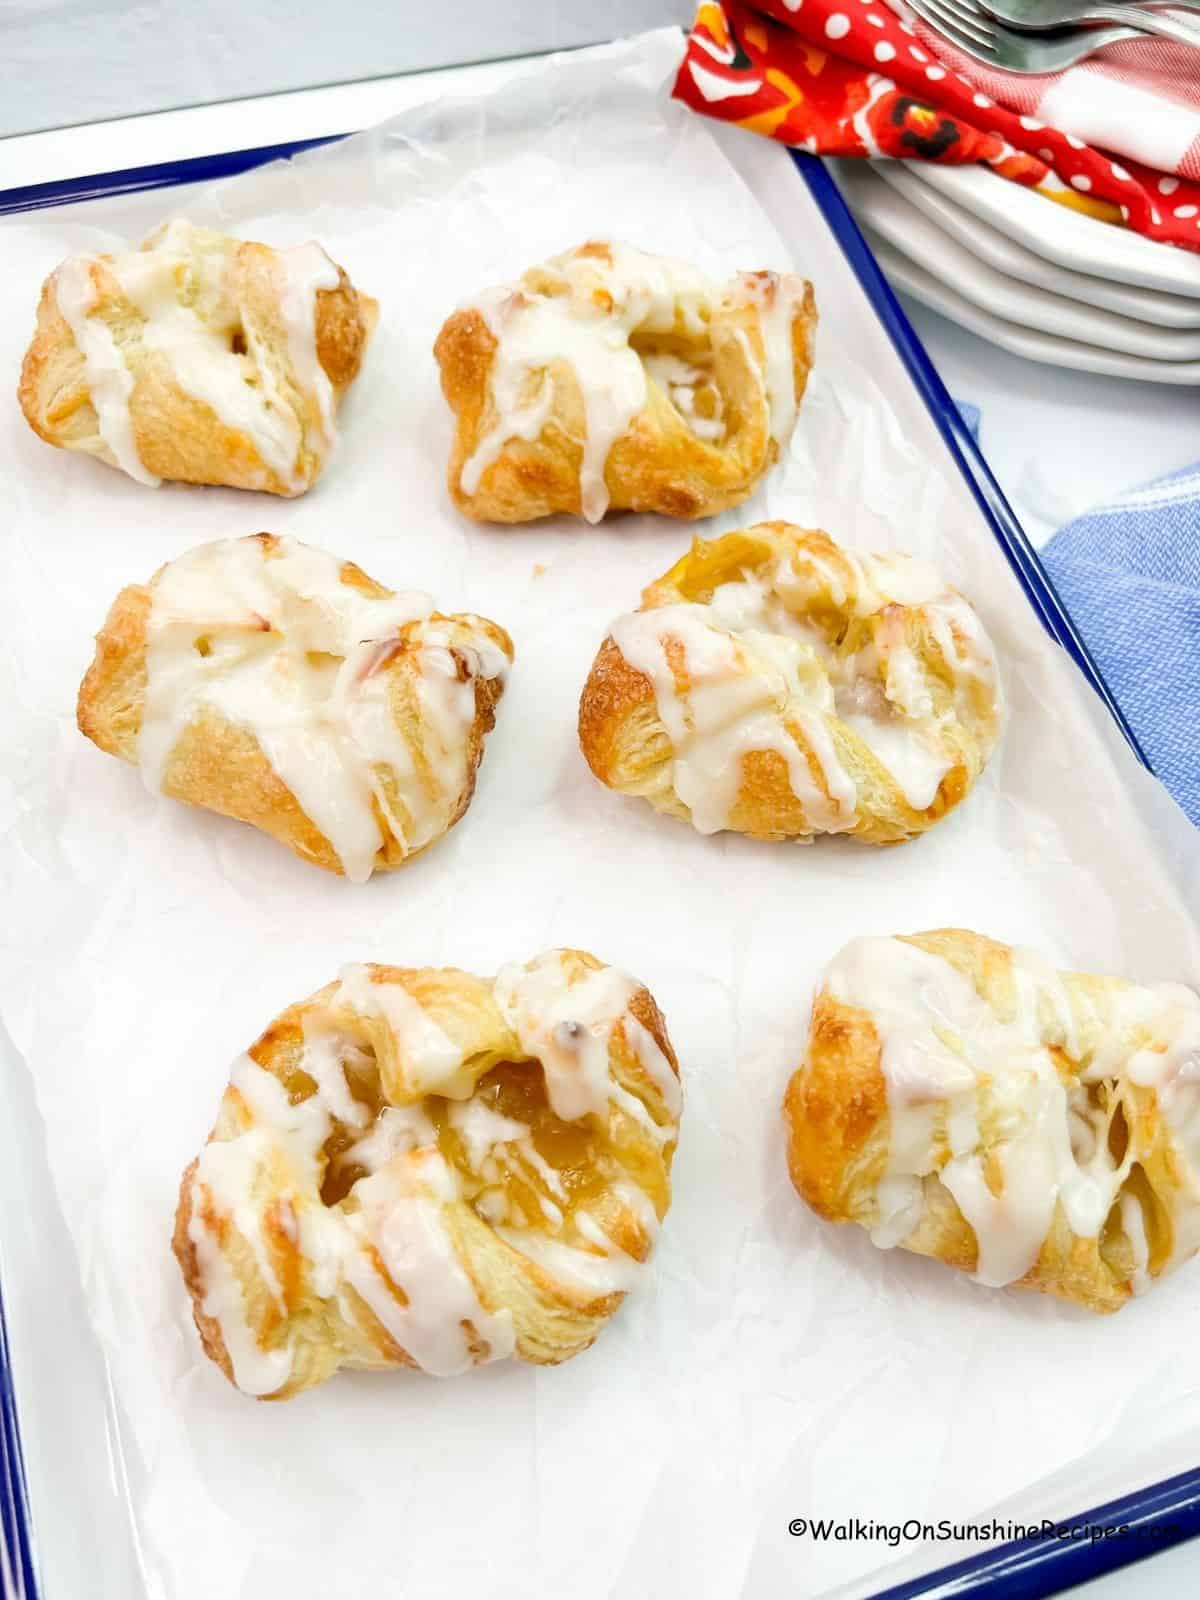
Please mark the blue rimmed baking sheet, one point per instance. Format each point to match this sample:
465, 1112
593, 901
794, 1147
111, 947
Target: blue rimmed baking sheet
1003, 1570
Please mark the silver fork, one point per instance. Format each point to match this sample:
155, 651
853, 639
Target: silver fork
1039, 15
975, 19
998, 46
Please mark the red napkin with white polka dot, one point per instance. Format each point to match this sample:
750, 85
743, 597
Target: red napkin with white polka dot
1117, 136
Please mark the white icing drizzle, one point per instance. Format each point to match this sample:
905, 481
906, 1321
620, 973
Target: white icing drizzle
228, 1170
582, 318
1169, 1061
324, 1060
949, 1061
482, 1129
256, 1370
397, 1215
582, 310
683, 382
638, 1202
495, 1146
603, 1271
597, 1266
396, 1131
109, 380
430, 1060
389, 1242
777, 298
748, 671
293, 655
307, 270
492, 1205
525, 1151
400, 1215
182, 287
740, 695
301, 1128
1133, 1223
568, 1027
917, 768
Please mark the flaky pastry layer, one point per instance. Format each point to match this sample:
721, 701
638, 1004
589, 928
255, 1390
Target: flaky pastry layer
776, 684
198, 357
612, 380
968, 1101
279, 685
417, 1167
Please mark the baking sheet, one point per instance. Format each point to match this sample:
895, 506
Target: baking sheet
771, 1367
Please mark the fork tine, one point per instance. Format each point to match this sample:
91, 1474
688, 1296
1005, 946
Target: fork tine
956, 26
941, 21
970, 16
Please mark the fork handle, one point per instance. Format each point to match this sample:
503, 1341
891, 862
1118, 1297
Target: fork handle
1146, 21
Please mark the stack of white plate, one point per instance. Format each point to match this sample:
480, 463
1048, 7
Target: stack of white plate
1034, 277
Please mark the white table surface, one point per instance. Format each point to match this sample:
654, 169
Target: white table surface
1057, 441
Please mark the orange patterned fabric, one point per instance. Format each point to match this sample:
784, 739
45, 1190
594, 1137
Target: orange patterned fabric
808, 73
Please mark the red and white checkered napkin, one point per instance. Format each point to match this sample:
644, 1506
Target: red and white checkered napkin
1140, 99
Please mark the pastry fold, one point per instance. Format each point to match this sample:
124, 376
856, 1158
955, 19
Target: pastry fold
777, 685
197, 357
968, 1101
278, 684
612, 380
423, 1168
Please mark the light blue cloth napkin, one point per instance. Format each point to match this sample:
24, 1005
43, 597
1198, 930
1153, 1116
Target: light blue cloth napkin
1129, 574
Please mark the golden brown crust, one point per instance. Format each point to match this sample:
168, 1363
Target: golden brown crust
627, 747
109, 706
659, 464
178, 436
840, 1131
221, 767
834, 1107
345, 321
208, 1328
553, 1318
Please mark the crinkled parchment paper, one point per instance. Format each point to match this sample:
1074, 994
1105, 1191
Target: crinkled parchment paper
771, 1366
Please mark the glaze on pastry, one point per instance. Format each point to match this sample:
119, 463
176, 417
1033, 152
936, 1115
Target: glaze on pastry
280, 685
778, 685
968, 1101
197, 357
422, 1168
611, 380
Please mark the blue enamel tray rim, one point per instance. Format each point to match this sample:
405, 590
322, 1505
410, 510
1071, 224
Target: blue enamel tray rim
1158, 1516
18, 1574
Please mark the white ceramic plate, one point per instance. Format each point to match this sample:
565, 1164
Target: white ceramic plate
930, 291
1061, 235
1157, 307
893, 218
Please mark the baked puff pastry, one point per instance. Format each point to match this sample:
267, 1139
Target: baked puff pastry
197, 357
422, 1168
1034, 1127
611, 380
777, 685
278, 684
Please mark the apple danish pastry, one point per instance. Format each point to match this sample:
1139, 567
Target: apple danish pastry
611, 380
969, 1102
422, 1168
777, 685
197, 357
277, 684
